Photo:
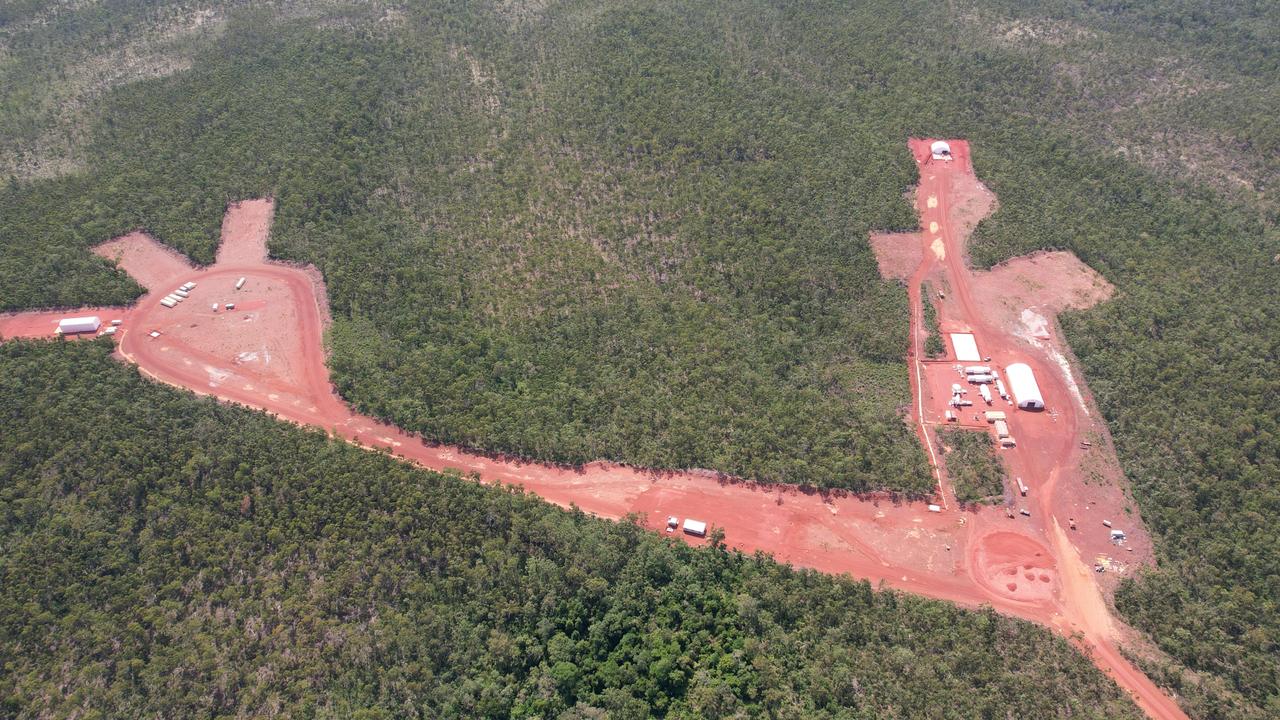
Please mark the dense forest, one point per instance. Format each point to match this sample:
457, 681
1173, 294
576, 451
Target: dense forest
638, 230
977, 474
170, 556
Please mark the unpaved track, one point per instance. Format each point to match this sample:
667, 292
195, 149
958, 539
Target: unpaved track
268, 354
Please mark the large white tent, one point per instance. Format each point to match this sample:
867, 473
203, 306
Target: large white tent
941, 150
1023, 384
68, 326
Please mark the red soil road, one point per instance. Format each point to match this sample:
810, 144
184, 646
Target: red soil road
267, 353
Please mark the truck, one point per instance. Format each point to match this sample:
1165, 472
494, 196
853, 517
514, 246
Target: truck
977, 370
985, 392
1022, 487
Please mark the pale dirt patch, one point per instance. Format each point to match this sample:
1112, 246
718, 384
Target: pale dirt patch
1045, 283
897, 254
244, 232
154, 265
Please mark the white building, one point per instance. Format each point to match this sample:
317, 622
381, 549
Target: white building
68, 326
1026, 393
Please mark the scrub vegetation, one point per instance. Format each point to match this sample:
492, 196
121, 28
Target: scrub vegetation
975, 469
638, 231
171, 556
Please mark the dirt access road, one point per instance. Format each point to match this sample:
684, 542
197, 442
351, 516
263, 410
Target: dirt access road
267, 353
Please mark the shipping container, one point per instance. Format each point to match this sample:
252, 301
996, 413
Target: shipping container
1002, 429
935, 508
181, 293
977, 370
695, 527
994, 415
980, 379
985, 392
240, 283
168, 302
1004, 394
1022, 487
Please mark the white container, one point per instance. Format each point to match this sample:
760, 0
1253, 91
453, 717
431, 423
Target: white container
1002, 429
985, 392
215, 307
69, 326
230, 306
977, 370
116, 322
695, 527
935, 508
168, 302
994, 415
980, 379
240, 283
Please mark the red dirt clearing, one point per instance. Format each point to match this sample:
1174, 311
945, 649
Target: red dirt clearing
898, 254
267, 353
153, 265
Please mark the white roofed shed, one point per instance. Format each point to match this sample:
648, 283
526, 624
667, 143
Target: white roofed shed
1026, 393
89, 323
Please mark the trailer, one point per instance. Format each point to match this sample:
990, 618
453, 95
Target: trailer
695, 527
1002, 429
240, 283
980, 379
977, 370
86, 324
985, 392
994, 415
1022, 487
1004, 394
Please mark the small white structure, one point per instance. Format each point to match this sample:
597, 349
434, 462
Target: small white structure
673, 522
1002, 429
940, 150
1022, 487
935, 508
994, 415
986, 393
70, 326
215, 307
189, 285
966, 347
230, 306
1026, 393
181, 293
695, 527
1004, 394
980, 379
977, 370
240, 283
168, 302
